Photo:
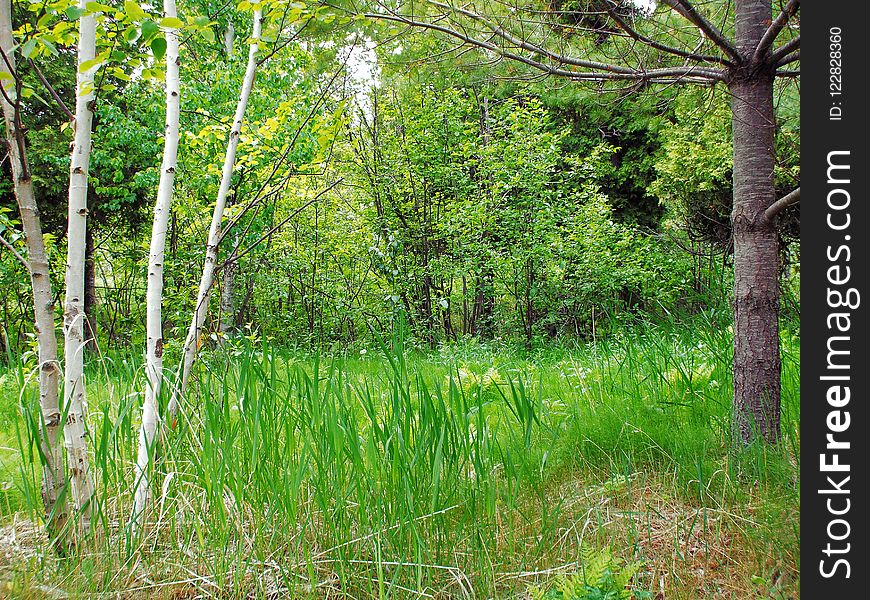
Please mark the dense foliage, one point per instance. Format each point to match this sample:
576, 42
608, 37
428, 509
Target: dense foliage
475, 207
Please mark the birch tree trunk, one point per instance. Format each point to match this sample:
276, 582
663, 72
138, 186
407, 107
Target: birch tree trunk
205, 283
56, 514
75, 403
154, 294
229, 38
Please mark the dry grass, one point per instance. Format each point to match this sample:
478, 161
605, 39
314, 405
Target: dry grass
689, 551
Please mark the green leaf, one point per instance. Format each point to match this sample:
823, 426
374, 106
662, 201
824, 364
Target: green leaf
97, 7
43, 21
119, 74
134, 11
90, 64
48, 44
171, 23
207, 34
28, 48
149, 29
73, 13
158, 47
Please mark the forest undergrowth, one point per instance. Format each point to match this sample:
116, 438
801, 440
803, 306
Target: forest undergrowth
472, 471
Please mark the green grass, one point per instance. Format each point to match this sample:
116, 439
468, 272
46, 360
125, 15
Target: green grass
472, 471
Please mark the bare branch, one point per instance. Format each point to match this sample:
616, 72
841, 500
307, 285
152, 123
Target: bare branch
775, 28
688, 11
52, 91
783, 203
15, 253
597, 71
279, 225
794, 56
634, 34
525, 45
6, 97
261, 194
784, 50
15, 78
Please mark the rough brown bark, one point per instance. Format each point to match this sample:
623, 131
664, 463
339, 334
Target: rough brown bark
756, 408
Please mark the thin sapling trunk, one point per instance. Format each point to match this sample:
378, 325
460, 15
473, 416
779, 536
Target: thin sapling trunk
214, 234
156, 255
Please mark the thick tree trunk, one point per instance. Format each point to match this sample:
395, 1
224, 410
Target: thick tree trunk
756, 245
201, 307
154, 293
56, 514
75, 430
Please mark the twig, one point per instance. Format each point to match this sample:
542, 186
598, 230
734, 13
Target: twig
52, 91
15, 253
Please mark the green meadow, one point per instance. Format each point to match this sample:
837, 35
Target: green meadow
472, 471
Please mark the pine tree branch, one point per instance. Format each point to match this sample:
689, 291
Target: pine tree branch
634, 34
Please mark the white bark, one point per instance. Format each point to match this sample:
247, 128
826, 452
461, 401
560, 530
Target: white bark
75, 440
154, 294
229, 38
56, 513
201, 308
